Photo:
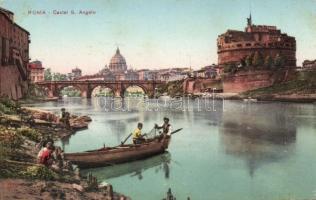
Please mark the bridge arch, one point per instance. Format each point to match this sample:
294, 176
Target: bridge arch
60, 88
102, 87
136, 88
86, 87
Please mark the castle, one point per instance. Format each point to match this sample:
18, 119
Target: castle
234, 46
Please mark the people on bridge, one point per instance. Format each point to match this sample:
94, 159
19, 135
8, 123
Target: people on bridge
166, 127
138, 138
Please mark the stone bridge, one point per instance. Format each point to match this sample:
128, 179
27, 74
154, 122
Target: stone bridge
86, 87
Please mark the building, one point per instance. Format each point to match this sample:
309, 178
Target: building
309, 65
36, 71
143, 74
76, 73
131, 75
234, 46
118, 68
118, 65
212, 71
14, 56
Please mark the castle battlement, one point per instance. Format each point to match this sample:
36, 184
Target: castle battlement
235, 45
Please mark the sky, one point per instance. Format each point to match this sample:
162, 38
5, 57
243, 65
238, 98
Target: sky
152, 34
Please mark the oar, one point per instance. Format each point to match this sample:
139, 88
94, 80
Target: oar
173, 132
126, 139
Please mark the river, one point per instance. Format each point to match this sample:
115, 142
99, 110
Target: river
226, 150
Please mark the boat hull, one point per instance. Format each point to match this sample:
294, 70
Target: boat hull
120, 154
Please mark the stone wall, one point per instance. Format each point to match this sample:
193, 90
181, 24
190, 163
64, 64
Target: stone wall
236, 55
250, 80
11, 83
198, 85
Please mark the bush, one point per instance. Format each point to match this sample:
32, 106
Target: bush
268, 62
257, 59
30, 134
8, 106
38, 172
10, 139
279, 61
229, 68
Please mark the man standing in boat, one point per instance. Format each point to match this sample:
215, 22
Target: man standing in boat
166, 127
137, 134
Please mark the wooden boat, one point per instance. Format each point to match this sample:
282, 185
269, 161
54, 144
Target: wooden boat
120, 154
158, 162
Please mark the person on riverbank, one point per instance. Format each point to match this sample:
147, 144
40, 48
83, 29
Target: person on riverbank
67, 120
31, 121
166, 126
45, 155
138, 138
63, 114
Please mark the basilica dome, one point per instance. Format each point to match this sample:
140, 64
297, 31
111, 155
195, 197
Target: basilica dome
118, 63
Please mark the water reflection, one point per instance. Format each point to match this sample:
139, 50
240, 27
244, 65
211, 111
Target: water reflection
160, 163
258, 134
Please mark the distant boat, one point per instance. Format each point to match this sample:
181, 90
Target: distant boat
250, 100
164, 97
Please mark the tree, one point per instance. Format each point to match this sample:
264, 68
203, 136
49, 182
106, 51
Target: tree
59, 77
268, 62
48, 74
243, 62
279, 61
227, 68
257, 59
249, 60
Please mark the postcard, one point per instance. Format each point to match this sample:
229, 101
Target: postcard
158, 100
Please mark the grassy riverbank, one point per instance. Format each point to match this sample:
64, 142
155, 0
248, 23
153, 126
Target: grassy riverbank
19, 146
300, 89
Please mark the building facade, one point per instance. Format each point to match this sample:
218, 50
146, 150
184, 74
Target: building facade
309, 65
76, 73
234, 46
36, 71
14, 56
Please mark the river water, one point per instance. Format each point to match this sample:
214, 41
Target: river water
226, 150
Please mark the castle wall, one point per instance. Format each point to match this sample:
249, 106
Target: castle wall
191, 86
234, 45
236, 55
245, 81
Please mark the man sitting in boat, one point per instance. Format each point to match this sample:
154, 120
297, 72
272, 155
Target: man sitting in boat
137, 134
166, 127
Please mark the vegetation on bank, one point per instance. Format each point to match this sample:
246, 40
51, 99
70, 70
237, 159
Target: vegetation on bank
172, 88
303, 83
16, 159
256, 61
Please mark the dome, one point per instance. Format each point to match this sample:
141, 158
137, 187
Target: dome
118, 63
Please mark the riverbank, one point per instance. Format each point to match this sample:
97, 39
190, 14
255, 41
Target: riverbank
22, 131
301, 88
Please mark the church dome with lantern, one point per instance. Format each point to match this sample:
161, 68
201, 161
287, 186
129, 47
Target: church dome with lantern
118, 63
